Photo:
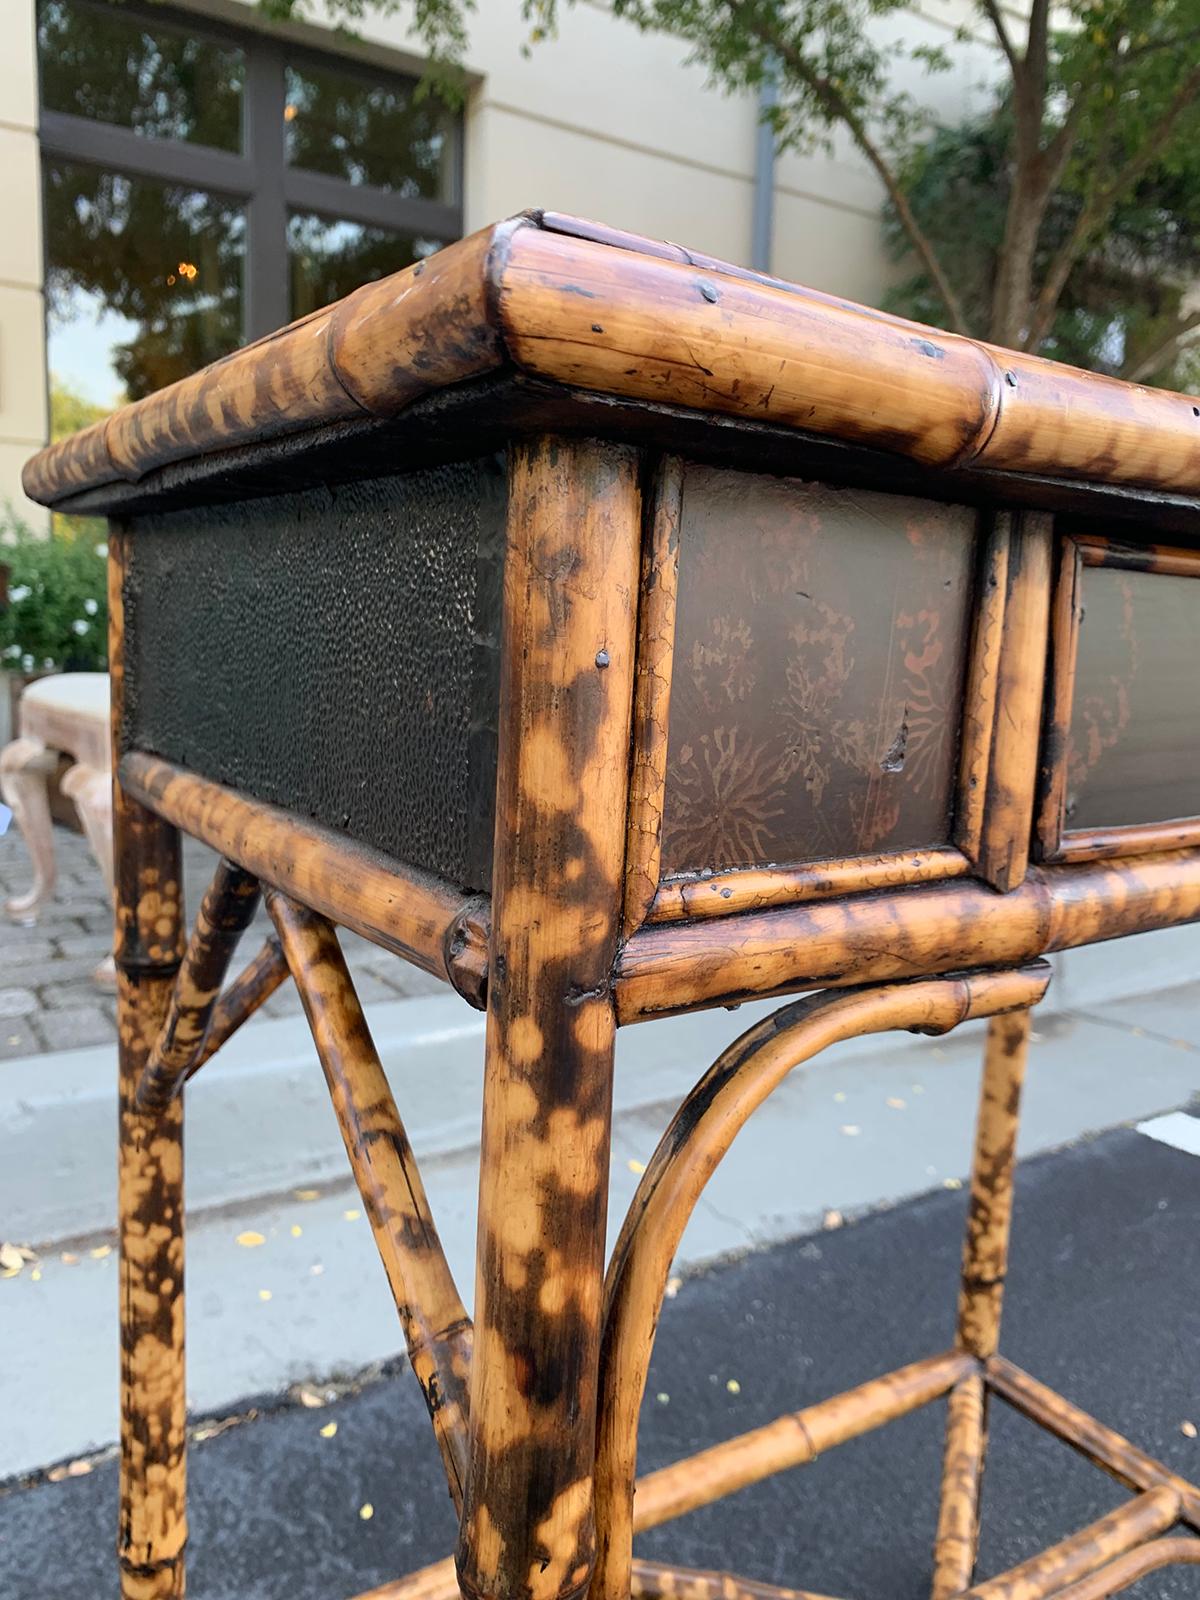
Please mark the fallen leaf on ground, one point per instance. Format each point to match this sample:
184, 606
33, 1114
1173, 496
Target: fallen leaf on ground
673, 1287
832, 1219
11, 1259
663, 1399
328, 1431
1188, 1430
78, 1469
250, 1240
352, 1215
297, 1230
734, 1386
851, 1129
306, 1194
366, 1512
896, 1103
636, 1166
69, 1259
951, 1183
311, 1399
264, 1294
99, 1253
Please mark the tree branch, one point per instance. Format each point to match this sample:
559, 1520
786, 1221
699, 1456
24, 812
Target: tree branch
1098, 210
995, 16
1145, 366
839, 109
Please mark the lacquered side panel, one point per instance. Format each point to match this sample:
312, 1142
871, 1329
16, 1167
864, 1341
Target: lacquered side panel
821, 641
1133, 752
332, 651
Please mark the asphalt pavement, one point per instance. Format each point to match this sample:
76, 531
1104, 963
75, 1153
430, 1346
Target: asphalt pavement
1103, 1304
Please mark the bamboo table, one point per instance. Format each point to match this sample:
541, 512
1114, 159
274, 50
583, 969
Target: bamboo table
613, 633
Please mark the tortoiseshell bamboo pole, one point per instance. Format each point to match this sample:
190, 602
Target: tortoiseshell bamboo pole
1118, 1575
225, 913
985, 1262
422, 918
253, 986
1124, 1529
566, 691
962, 1473
699, 1135
436, 1327
654, 1580
148, 947
650, 1579
794, 1439
989, 1217
1100, 1444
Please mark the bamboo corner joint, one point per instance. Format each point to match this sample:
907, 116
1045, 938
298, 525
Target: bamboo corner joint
843, 660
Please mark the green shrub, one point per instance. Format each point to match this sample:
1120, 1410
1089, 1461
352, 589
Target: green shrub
56, 616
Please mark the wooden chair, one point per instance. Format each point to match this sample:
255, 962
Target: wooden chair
64, 714
614, 633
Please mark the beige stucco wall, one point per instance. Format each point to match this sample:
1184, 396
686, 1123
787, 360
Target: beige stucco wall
603, 121
23, 419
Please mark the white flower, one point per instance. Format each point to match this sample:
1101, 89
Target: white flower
80, 626
91, 607
48, 663
26, 663
102, 549
12, 652
21, 592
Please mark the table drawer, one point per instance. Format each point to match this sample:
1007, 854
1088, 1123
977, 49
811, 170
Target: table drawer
334, 651
1122, 762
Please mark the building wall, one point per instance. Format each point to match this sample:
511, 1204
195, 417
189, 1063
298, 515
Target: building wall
603, 121
23, 407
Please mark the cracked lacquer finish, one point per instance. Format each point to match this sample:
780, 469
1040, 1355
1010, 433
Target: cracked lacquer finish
225, 913
436, 1328
570, 587
149, 941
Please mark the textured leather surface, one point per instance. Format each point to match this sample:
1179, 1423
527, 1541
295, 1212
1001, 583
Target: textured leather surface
333, 651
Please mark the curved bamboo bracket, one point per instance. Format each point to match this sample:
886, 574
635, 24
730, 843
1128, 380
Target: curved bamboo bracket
699, 1135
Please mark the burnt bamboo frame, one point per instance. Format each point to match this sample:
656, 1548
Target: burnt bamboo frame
1056, 842
534, 1404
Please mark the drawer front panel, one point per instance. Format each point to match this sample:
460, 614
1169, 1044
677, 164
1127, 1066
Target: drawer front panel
1133, 755
333, 652
820, 651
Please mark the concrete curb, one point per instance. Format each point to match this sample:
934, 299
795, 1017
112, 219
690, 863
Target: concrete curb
259, 1121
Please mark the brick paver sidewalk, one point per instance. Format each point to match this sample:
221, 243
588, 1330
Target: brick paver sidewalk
48, 1000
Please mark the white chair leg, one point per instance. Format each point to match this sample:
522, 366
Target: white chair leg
90, 789
25, 769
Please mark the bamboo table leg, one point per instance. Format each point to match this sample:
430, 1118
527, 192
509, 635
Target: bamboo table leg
566, 689
985, 1263
149, 945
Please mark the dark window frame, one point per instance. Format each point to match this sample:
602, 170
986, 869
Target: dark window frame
260, 177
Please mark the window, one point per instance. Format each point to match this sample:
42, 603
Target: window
202, 186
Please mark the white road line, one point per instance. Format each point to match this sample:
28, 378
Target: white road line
1177, 1129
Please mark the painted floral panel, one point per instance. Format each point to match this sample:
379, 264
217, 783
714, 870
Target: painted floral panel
820, 653
1134, 750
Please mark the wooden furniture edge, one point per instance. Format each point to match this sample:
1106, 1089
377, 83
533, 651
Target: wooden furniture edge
931, 928
439, 928
591, 310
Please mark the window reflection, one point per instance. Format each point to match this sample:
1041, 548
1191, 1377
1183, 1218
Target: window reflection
144, 281
366, 131
330, 257
99, 62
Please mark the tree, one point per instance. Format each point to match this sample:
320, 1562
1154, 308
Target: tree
1097, 97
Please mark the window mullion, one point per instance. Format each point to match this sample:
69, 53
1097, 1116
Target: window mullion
267, 299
